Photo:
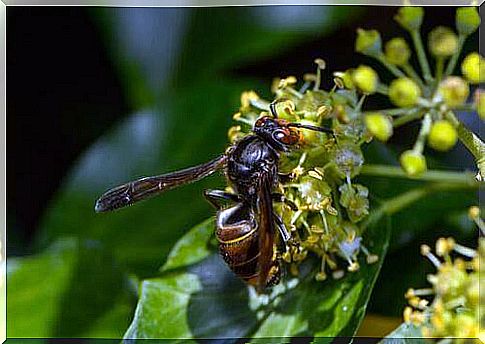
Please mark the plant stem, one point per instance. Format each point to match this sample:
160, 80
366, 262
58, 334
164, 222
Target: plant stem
456, 55
360, 103
440, 66
393, 69
382, 89
471, 141
423, 61
407, 118
463, 178
398, 111
423, 133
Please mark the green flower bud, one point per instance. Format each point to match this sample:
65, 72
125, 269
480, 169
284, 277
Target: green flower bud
442, 136
365, 79
348, 159
480, 103
473, 68
355, 199
368, 42
410, 18
404, 92
413, 163
454, 91
397, 51
467, 20
442, 42
379, 125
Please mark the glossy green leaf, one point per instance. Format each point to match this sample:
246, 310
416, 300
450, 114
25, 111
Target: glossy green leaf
73, 289
193, 249
203, 299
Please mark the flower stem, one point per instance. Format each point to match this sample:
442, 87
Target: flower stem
462, 178
454, 59
382, 89
398, 111
440, 66
423, 61
393, 69
423, 133
407, 118
471, 141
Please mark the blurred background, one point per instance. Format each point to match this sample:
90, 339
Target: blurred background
100, 96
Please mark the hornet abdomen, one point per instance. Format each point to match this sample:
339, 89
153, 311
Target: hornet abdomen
238, 237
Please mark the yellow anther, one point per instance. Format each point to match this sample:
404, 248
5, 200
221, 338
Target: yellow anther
444, 246
409, 293
331, 210
338, 274
315, 174
323, 111
246, 98
423, 303
321, 276
425, 250
353, 267
321, 63
407, 314
414, 301
290, 80
312, 239
372, 258
309, 77
474, 212
286, 256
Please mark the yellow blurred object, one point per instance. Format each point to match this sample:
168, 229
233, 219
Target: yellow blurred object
375, 325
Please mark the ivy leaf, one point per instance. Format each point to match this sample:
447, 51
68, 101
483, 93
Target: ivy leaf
73, 289
405, 334
202, 298
191, 250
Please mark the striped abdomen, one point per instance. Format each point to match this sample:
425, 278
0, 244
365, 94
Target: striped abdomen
237, 233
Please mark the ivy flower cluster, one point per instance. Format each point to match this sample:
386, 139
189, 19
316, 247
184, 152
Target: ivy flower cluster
327, 205
430, 97
457, 291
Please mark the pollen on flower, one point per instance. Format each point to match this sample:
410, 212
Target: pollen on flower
452, 309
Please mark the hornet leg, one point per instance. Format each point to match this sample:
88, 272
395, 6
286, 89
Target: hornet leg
218, 197
277, 197
285, 234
